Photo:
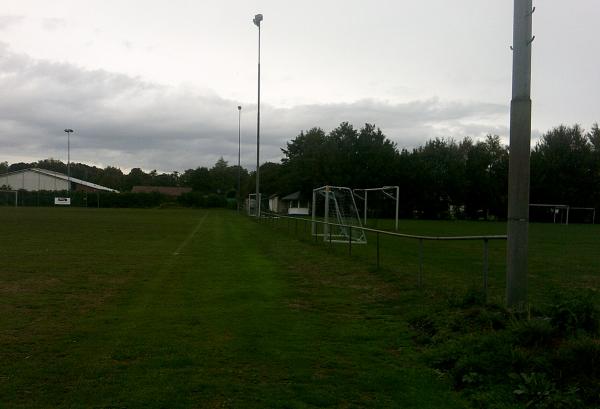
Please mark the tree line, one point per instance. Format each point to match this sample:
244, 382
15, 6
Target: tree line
440, 179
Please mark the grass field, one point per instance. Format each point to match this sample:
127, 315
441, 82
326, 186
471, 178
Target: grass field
184, 308
560, 256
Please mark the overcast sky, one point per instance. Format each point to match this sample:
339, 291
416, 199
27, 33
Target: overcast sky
156, 84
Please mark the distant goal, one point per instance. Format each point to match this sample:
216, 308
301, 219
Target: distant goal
384, 200
561, 213
335, 216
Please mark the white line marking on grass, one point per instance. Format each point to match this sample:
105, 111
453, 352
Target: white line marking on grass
190, 237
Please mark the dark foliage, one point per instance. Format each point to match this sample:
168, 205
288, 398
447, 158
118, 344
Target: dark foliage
550, 359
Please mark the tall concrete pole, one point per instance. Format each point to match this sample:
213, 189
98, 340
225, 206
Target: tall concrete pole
257, 20
239, 155
69, 131
520, 146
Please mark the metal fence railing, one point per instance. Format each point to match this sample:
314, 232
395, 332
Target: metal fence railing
310, 226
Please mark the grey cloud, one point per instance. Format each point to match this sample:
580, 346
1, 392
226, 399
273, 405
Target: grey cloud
10, 20
52, 24
127, 122
408, 124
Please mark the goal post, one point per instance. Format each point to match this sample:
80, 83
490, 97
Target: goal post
252, 204
389, 192
336, 206
588, 217
555, 211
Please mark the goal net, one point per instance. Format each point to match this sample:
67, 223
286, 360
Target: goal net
549, 213
8, 197
582, 215
251, 204
336, 208
379, 203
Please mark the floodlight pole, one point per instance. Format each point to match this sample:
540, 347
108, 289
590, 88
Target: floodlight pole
257, 19
239, 155
520, 148
69, 131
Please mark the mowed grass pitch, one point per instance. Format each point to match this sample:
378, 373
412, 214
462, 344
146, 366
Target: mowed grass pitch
184, 308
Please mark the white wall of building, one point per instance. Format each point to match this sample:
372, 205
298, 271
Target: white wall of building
32, 181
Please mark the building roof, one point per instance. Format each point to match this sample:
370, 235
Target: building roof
64, 177
165, 190
293, 196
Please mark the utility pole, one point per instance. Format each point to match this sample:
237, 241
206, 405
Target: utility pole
69, 132
520, 148
257, 20
239, 155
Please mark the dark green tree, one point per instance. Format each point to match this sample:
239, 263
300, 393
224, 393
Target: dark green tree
486, 179
562, 166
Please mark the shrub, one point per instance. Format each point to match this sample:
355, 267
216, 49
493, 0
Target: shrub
573, 313
546, 358
472, 297
578, 362
540, 392
197, 199
533, 333
425, 328
213, 200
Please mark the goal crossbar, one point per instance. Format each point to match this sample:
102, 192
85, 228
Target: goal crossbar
554, 206
386, 192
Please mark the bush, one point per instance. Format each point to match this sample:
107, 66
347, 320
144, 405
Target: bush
578, 362
533, 333
573, 313
197, 199
540, 392
425, 328
213, 200
546, 359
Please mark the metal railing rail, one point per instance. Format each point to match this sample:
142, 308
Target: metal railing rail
485, 238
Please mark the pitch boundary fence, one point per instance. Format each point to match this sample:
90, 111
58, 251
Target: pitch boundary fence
270, 217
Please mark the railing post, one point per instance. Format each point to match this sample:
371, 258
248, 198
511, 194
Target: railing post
295, 227
377, 250
420, 278
330, 247
485, 268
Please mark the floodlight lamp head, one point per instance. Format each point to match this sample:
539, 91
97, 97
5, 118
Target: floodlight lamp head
68, 130
257, 19
239, 107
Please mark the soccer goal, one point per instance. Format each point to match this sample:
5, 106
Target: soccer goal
381, 200
582, 215
549, 213
9, 197
251, 204
334, 204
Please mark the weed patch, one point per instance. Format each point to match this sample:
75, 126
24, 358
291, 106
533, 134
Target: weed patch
546, 358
